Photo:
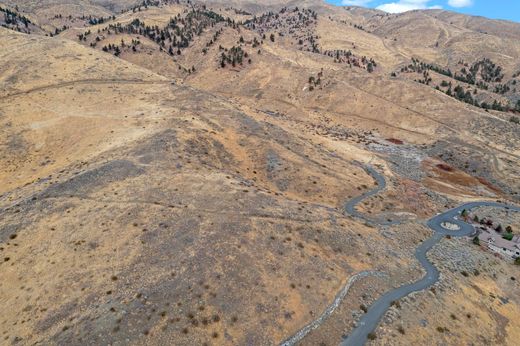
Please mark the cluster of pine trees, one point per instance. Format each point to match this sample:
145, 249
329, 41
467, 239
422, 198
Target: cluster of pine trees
15, 21
296, 22
233, 56
466, 96
478, 74
300, 24
315, 82
152, 3
97, 20
176, 35
112, 48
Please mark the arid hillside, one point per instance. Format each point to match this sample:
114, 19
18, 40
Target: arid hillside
177, 172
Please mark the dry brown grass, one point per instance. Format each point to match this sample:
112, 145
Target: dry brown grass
212, 209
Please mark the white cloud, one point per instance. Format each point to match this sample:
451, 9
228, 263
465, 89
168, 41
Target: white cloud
355, 2
407, 5
460, 3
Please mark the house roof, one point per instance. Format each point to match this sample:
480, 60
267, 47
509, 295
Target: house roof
497, 240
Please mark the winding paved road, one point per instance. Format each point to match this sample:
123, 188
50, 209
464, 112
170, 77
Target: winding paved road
368, 323
350, 206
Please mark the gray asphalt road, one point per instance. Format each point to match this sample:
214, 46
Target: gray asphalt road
371, 319
350, 206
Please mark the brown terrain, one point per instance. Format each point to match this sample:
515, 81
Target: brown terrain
176, 173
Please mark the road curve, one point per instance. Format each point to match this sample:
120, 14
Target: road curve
368, 323
350, 206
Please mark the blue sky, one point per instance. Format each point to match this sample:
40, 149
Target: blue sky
498, 9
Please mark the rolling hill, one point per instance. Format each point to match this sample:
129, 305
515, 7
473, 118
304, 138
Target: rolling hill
176, 172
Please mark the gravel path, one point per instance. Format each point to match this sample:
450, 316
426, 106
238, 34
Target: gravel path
330, 309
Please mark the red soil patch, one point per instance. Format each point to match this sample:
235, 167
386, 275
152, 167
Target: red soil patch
395, 141
444, 167
488, 184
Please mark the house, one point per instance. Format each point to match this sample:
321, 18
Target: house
496, 243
